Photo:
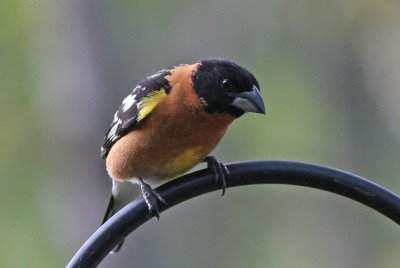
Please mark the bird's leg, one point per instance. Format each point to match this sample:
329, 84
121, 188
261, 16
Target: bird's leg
220, 171
151, 196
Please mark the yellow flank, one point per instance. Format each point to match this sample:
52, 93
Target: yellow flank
150, 102
185, 161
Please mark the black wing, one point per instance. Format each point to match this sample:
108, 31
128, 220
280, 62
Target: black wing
135, 107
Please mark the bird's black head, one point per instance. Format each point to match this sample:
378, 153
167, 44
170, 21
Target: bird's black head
226, 87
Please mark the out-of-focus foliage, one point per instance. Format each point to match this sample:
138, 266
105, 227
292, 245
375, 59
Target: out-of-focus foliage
329, 73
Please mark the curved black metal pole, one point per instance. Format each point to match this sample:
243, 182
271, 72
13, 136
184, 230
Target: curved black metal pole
244, 173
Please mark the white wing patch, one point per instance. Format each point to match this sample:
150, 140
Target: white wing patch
115, 119
135, 107
162, 72
113, 131
128, 102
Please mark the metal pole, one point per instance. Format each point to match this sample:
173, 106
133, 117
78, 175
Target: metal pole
243, 173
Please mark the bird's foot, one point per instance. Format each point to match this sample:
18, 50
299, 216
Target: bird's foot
151, 196
220, 171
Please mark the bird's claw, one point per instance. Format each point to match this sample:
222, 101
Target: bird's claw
220, 171
151, 196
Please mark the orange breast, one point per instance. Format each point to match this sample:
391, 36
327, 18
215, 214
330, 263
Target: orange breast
175, 137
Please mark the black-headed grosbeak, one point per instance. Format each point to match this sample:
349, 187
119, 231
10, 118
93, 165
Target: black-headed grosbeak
170, 122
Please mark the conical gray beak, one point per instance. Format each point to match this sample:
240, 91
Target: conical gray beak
250, 101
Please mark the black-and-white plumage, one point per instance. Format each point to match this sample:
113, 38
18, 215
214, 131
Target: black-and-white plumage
170, 122
128, 114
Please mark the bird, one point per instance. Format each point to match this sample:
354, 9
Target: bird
170, 122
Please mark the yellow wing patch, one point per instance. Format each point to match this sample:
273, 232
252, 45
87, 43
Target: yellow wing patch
150, 102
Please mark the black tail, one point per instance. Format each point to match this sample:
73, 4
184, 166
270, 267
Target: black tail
109, 212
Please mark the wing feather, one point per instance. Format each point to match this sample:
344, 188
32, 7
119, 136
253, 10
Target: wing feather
135, 107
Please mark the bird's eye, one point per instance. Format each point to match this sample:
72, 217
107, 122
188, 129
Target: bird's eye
226, 84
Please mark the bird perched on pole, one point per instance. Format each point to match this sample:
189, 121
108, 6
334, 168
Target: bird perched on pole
170, 122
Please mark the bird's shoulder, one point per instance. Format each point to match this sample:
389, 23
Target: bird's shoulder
137, 106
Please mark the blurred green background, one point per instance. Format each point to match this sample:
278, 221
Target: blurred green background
329, 72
